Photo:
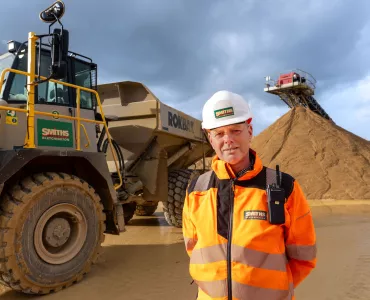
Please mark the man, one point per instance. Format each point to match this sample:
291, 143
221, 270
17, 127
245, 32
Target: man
240, 245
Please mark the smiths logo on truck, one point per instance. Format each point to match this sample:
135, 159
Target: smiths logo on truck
179, 122
54, 133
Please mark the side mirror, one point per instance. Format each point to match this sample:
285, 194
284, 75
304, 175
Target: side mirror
53, 13
59, 53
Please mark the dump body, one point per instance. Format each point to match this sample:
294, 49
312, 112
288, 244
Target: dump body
154, 137
142, 117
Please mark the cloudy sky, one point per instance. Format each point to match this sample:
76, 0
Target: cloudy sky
184, 51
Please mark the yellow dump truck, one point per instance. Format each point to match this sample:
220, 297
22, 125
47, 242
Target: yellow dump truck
72, 171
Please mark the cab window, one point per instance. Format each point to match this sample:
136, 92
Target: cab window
46, 92
6, 61
83, 78
18, 89
50, 92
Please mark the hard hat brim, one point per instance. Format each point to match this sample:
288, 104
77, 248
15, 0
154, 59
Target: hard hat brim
231, 121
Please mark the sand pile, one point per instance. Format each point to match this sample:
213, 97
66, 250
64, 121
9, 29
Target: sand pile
328, 161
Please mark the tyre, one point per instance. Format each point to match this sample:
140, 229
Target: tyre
177, 184
52, 226
146, 210
128, 211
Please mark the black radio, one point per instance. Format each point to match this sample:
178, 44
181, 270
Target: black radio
276, 201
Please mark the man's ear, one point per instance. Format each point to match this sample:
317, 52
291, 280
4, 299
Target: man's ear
250, 130
209, 137
210, 140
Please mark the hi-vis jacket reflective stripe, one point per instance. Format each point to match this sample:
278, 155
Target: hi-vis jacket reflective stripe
235, 253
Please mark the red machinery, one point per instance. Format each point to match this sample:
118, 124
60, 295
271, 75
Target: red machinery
296, 88
290, 78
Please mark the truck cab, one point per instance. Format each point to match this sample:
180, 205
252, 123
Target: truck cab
49, 97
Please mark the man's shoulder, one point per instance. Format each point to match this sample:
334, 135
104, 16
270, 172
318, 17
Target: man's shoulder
286, 179
286, 175
208, 179
202, 182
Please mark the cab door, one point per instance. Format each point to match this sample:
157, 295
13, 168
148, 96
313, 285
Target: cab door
85, 76
54, 132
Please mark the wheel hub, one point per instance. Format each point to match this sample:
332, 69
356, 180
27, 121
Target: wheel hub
60, 233
57, 232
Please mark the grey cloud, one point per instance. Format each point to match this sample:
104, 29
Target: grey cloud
170, 42
193, 48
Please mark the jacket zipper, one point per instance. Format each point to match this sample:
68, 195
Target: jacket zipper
231, 213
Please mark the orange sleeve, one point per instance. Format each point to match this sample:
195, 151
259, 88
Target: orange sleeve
188, 227
300, 238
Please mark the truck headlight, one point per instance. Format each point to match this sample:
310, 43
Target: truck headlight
13, 46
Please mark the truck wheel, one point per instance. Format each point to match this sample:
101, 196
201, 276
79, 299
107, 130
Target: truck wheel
52, 226
177, 183
146, 210
128, 211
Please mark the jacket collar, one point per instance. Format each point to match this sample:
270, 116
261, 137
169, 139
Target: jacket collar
223, 170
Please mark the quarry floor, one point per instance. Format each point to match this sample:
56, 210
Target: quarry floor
149, 261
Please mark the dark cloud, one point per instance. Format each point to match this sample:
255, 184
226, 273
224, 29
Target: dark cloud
187, 50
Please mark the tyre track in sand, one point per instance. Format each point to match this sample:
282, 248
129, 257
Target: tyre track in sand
343, 266
359, 288
149, 262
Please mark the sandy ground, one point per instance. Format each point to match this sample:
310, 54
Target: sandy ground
149, 262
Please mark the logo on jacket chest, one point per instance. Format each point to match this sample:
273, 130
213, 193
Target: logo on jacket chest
255, 215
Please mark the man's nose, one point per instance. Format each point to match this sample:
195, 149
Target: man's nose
228, 138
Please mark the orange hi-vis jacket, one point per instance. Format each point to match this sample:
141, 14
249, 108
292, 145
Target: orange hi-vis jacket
235, 252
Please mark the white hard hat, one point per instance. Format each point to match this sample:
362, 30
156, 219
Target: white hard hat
225, 108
